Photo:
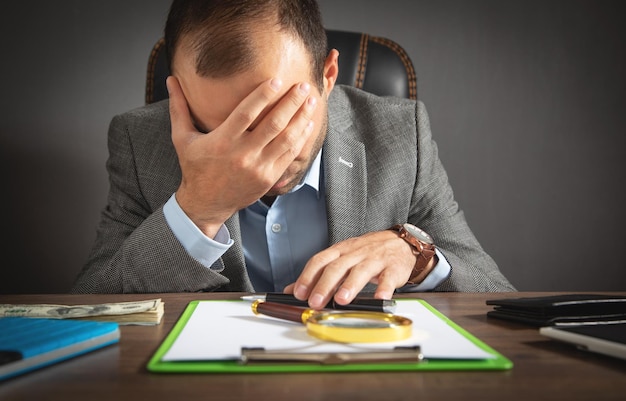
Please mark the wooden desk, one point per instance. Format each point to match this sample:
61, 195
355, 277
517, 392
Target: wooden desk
543, 369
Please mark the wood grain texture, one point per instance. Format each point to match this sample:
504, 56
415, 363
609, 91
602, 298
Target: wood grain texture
543, 369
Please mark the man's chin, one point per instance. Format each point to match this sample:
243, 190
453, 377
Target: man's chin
283, 186
277, 191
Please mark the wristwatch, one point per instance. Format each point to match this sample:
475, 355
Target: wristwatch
422, 246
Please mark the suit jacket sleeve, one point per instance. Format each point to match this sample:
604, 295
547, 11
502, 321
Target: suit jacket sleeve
135, 250
434, 209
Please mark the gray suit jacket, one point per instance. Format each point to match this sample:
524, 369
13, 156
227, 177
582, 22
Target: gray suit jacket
381, 168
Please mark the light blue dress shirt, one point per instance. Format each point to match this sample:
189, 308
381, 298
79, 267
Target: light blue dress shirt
277, 240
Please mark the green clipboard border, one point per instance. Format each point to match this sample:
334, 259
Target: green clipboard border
158, 366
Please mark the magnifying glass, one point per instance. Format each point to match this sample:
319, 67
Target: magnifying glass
341, 326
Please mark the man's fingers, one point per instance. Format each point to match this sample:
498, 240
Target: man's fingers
280, 131
182, 126
290, 141
323, 274
385, 290
252, 108
344, 269
342, 279
312, 272
286, 119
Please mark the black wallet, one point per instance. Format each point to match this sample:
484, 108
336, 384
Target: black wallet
566, 309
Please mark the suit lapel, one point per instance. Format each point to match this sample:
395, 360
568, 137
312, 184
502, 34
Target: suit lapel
345, 173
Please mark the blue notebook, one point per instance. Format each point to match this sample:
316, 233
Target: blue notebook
28, 343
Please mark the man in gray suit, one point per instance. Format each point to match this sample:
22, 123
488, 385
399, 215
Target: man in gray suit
259, 174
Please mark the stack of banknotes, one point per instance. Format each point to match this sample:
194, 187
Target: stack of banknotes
148, 312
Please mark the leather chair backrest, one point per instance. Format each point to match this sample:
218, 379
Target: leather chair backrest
375, 64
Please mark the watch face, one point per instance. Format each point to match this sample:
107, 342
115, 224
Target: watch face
418, 233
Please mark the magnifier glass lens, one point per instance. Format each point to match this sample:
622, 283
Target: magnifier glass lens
358, 327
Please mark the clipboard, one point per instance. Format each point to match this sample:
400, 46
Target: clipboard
162, 362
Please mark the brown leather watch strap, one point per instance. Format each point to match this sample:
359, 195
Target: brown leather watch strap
422, 268
423, 251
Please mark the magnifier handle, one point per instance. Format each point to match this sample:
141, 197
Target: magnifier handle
286, 312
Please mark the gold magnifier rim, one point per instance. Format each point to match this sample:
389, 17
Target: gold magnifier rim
398, 327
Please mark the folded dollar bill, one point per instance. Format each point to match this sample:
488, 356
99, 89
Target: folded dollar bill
148, 312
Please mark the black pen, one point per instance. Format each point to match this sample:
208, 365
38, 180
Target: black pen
359, 303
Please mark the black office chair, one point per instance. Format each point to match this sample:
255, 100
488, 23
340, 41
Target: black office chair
374, 64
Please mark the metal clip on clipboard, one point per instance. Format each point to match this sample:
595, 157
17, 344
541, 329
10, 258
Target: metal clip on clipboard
397, 355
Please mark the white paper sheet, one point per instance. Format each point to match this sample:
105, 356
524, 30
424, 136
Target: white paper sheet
217, 330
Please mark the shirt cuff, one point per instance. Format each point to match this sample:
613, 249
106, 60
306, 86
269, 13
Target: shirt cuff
439, 273
202, 248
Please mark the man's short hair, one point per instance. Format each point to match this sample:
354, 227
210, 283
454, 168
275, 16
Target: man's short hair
220, 32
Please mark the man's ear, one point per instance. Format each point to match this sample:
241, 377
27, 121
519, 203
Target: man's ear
331, 70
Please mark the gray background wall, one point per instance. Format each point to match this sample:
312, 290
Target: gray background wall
526, 100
